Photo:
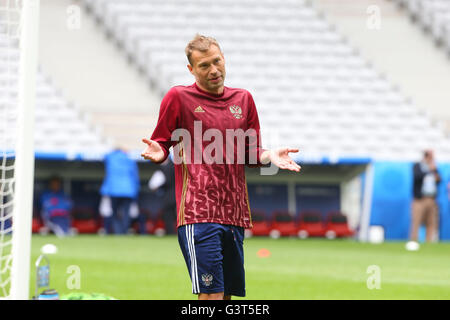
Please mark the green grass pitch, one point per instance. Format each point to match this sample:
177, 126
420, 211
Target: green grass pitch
149, 267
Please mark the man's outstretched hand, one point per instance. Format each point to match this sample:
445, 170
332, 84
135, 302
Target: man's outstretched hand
153, 151
280, 157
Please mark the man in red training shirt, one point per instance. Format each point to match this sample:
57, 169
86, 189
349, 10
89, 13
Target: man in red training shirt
203, 122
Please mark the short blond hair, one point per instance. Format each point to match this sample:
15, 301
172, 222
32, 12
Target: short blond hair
200, 43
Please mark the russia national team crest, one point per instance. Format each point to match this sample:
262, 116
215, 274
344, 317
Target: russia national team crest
207, 279
236, 111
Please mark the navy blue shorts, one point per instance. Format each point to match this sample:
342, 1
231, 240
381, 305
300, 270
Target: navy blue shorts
214, 256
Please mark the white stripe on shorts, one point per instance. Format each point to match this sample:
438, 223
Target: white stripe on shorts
191, 247
190, 255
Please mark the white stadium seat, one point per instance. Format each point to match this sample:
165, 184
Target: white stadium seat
58, 125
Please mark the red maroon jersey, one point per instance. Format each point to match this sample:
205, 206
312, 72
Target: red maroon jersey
206, 191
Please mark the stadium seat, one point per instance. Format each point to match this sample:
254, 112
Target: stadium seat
337, 226
261, 226
283, 224
149, 223
36, 225
85, 226
157, 226
54, 114
84, 220
433, 16
311, 224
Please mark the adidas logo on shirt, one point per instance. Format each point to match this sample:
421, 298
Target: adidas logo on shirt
199, 109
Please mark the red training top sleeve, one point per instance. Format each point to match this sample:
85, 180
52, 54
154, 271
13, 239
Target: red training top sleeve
253, 145
168, 121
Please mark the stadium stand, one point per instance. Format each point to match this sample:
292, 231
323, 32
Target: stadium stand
60, 128
301, 72
433, 16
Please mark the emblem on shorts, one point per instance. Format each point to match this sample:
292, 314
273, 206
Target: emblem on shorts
236, 111
207, 279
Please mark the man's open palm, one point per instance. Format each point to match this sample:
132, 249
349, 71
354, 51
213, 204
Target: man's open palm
280, 157
153, 151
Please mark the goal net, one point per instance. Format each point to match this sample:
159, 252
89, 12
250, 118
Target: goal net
18, 67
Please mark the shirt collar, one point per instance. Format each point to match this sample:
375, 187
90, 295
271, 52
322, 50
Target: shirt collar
209, 93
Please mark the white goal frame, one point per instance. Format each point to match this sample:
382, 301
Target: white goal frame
24, 162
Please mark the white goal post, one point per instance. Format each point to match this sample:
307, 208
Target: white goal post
24, 152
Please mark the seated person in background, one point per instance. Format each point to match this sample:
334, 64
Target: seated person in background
56, 207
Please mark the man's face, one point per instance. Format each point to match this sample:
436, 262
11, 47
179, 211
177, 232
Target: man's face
429, 156
55, 185
209, 69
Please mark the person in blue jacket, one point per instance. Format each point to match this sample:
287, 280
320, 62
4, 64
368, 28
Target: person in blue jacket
56, 208
121, 184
